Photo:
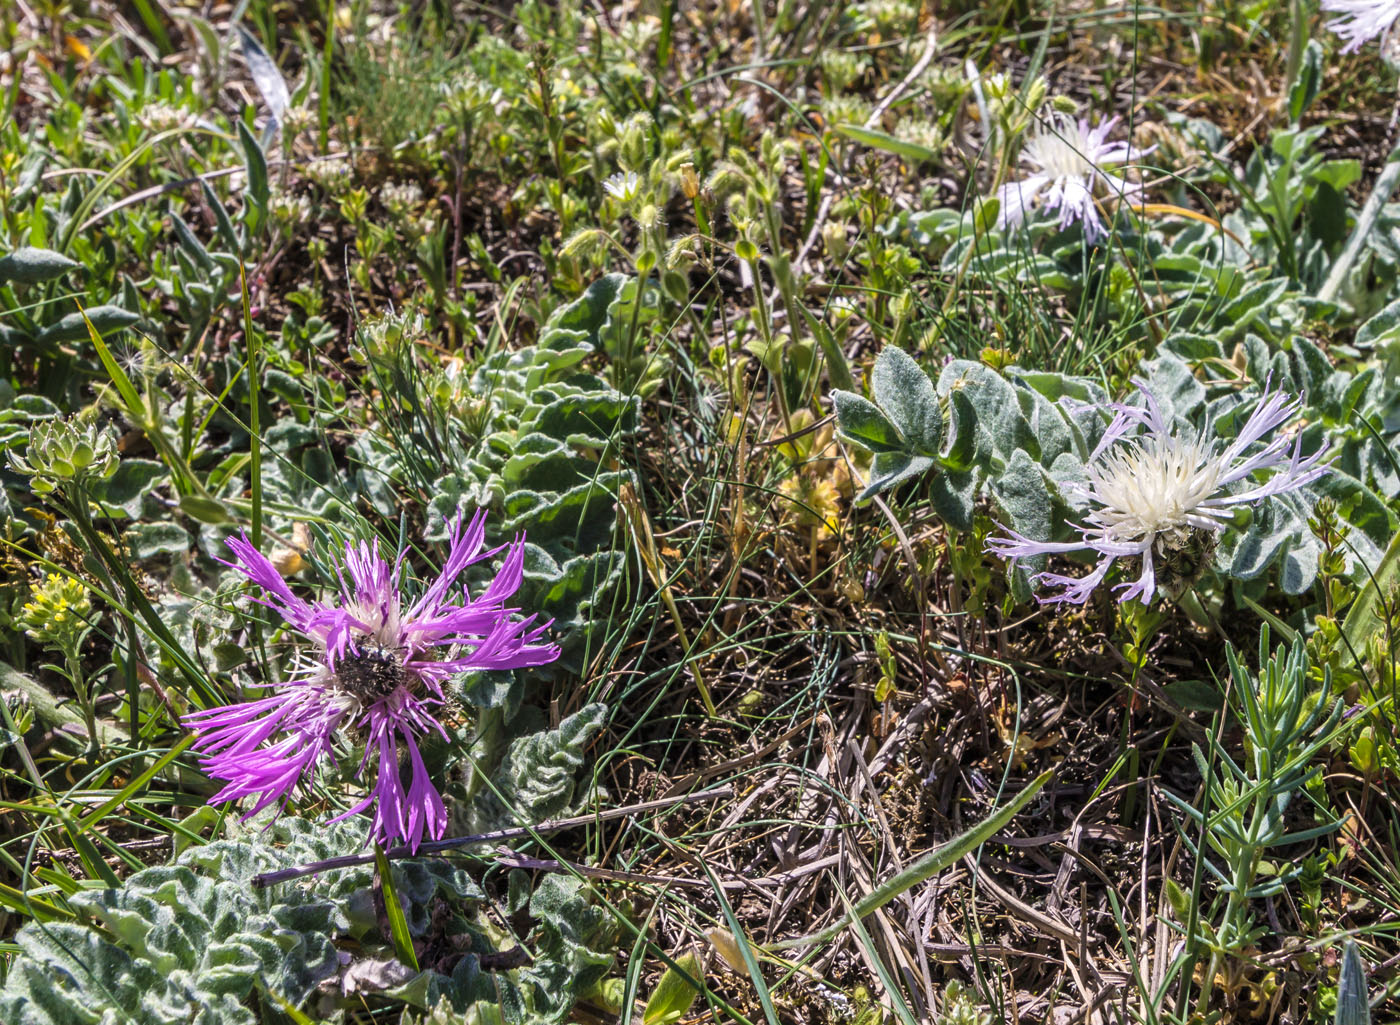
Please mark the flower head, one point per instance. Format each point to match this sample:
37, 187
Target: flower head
1361, 20
1068, 162
377, 670
1163, 496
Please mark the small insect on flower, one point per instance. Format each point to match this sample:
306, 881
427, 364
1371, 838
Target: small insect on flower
1069, 164
1362, 20
377, 671
1163, 496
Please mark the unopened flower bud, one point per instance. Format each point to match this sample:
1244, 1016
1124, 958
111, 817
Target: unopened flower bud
66, 451
690, 181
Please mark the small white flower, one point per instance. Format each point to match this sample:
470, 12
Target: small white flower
1159, 494
1361, 20
288, 211
331, 173
163, 117
1069, 162
624, 187
401, 197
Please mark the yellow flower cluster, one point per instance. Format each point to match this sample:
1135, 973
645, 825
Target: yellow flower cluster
58, 611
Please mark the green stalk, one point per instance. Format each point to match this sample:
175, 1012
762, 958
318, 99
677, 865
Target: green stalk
85, 698
1385, 187
254, 414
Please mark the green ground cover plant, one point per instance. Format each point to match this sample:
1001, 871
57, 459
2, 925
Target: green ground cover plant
681, 513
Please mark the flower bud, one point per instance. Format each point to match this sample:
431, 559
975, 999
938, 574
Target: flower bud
690, 181
66, 451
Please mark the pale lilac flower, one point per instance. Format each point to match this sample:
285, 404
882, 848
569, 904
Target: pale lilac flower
1361, 20
1158, 493
1069, 164
377, 672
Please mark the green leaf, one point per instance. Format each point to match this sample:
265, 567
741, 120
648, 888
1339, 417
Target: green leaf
861, 422
1363, 618
954, 495
1001, 427
578, 324
190, 941
122, 495
148, 540
205, 510
1021, 493
1175, 387
890, 469
1179, 900
1353, 1004
256, 191
393, 911
1382, 328
32, 266
73, 328
575, 948
906, 394
1305, 86
910, 151
674, 994
536, 779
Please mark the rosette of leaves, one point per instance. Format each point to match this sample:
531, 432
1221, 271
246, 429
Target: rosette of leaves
1017, 437
977, 433
196, 279
197, 941
192, 941
547, 457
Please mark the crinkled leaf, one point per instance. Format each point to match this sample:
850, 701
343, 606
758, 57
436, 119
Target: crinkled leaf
907, 396
123, 493
536, 779
862, 422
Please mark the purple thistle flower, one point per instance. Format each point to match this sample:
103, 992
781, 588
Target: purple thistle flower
1361, 20
1159, 494
379, 670
1069, 162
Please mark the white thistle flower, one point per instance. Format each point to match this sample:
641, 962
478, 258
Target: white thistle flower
624, 187
1162, 494
1069, 163
1361, 20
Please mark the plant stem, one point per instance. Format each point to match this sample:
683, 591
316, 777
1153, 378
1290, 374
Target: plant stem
1384, 188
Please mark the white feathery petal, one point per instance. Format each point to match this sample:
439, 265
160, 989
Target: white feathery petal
1149, 484
1069, 164
1361, 20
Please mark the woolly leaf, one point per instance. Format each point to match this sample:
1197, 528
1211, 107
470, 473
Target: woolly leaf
1353, 1005
72, 328
906, 395
861, 421
535, 780
123, 494
996, 405
574, 948
32, 266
